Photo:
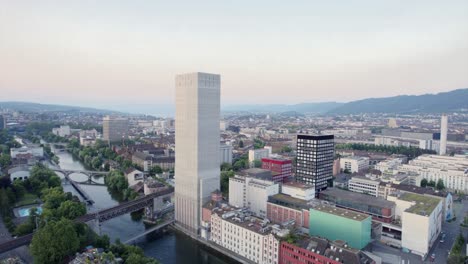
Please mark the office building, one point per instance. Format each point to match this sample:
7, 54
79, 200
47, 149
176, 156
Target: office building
225, 152
354, 164
315, 156
114, 129
336, 223
421, 221
281, 168
251, 193
197, 139
443, 134
259, 154
364, 185
451, 170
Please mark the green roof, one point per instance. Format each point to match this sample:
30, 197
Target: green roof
341, 212
424, 205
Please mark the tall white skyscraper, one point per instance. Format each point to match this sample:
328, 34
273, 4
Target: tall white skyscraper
197, 138
443, 134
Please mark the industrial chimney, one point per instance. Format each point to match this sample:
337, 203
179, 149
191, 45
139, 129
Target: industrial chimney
443, 135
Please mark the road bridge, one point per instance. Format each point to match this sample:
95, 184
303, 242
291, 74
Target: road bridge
155, 228
100, 216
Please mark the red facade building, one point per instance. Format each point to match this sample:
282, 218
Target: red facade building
280, 168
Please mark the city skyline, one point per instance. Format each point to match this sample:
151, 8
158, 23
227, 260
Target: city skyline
307, 52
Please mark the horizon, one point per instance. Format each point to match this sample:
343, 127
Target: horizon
94, 54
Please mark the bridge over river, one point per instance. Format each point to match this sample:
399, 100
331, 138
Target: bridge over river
101, 216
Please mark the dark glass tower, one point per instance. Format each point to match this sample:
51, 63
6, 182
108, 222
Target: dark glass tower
315, 155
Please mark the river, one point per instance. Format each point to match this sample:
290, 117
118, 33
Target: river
168, 248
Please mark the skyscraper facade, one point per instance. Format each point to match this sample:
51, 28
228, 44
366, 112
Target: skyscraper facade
315, 155
197, 139
114, 128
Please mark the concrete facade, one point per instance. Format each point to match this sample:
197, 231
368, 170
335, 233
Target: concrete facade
197, 145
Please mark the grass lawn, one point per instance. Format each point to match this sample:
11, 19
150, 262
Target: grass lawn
27, 199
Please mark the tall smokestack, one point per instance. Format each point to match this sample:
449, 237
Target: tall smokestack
443, 135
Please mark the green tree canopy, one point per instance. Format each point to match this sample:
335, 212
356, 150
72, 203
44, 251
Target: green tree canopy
56, 240
71, 209
424, 182
440, 185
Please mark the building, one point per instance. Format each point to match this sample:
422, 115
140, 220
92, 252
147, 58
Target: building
364, 185
315, 155
2, 122
342, 180
317, 250
381, 210
421, 220
225, 152
62, 131
251, 193
258, 154
88, 137
282, 168
197, 139
451, 170
283, 209
19, 173
354, 164
443, 134
34, 150
336, 223
134, 176
392, 123
114, 129
247, 236
298, 190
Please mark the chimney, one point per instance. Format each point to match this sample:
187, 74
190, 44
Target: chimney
443, 135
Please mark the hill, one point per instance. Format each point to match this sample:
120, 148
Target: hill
304, 108
453, 101
40, 108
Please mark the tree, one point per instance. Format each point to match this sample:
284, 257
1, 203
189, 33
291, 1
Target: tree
116, 181
5, 205
155, 170
226, 166
71, 210
440, 185
53, 197
258, 144
286, 149
225, 175
431, 183
134, 258
103, 242
5, 160
257, 163
53, 242
241, 144
424, 182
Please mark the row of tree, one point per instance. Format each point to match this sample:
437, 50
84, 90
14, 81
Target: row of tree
439, 185
410, 152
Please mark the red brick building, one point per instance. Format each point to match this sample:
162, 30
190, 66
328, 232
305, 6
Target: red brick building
280, 168
315, 250
282, 208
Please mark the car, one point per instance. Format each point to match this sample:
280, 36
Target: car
433, 256
441, 241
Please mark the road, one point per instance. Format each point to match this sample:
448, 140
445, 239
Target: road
451, 231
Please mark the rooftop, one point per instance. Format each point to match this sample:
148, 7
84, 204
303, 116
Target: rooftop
341, 212
289, 201
298, 185
357, 197
424, 205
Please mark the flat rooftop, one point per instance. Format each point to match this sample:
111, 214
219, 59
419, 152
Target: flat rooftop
424, 205
357, 197
341, 212
298, 185
289, 201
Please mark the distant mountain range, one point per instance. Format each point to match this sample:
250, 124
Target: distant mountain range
38, 108
453, 101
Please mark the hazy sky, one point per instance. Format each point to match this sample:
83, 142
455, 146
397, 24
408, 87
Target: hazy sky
107, 53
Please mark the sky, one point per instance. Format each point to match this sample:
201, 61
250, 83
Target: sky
125, 54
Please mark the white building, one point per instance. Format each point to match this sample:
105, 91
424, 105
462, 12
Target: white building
225, 152
443, 135
62, 131
452, 170
197, 139
389, 166
88, 137
134, 176
247, 236
364, 185
421, 219
34, 150
386, 141
354, 163
258, 154
298, 190
251, 193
